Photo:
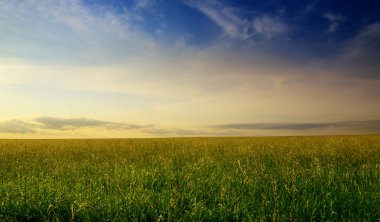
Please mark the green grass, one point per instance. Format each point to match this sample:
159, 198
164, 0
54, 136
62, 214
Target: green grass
330, 178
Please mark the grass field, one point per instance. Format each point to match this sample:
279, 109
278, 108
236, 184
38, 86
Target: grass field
209, 179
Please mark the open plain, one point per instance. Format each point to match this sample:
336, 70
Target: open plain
202, 179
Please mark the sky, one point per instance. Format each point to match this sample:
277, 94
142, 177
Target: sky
164, 68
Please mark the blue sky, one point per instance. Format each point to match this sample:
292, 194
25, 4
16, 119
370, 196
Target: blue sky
304, 31
296, 25
187, 67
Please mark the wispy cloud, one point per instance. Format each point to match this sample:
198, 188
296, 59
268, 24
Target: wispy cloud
234, 25
223, 16
335, 21
75, 32
365, 41
75, 123
358, 126
360, 55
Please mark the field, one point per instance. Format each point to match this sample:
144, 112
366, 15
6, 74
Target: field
203, 179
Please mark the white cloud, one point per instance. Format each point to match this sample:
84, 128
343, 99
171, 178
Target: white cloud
335, 20
269, 26
235, 25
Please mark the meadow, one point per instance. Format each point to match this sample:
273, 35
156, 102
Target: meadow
325, 178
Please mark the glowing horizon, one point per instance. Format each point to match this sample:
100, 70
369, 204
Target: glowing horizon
149, 68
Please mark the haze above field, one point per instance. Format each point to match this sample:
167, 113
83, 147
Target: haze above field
146, 68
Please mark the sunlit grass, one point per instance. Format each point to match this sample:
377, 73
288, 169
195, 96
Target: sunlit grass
218, 179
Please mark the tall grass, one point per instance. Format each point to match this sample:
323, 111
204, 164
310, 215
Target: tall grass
209, 179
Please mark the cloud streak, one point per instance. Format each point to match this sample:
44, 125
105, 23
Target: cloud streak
359, 126
75, 123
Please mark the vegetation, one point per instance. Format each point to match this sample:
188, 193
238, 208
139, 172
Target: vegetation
209, 179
